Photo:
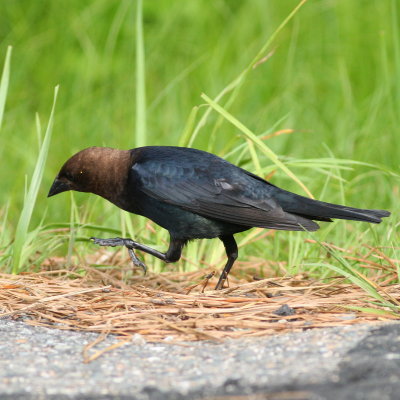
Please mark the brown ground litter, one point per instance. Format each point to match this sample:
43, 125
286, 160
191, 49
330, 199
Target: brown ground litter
177, 306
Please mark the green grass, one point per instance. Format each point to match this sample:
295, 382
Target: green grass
218, 76
23, 241
5, 79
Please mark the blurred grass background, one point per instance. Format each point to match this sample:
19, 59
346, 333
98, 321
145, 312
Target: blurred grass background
332, 76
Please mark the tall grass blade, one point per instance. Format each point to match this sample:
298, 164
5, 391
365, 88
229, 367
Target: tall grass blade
361, 281
140, 133
375, 311
116, 27
21, 234
188, 129
74, 222
5, 78
38, 131
236, 83
256, 140
345, 269
396, 52
3, 226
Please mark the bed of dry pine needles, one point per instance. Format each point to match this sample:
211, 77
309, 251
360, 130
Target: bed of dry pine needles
176, 306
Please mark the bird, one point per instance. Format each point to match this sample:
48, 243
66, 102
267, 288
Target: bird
193, 194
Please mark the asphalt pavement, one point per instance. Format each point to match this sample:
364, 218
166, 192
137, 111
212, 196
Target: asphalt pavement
355, 362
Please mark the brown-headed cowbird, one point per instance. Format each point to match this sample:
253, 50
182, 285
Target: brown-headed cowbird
194, 195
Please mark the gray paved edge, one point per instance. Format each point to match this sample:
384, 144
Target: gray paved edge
355, 362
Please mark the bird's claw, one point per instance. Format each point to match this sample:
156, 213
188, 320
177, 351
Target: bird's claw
137, 262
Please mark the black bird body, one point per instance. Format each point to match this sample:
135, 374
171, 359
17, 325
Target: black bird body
163, 192
194, 195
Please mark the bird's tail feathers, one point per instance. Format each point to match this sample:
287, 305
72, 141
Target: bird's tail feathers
321, 211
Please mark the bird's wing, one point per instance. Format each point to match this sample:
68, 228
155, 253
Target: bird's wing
219, 191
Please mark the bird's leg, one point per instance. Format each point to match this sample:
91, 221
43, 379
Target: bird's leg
173, 253
232, 253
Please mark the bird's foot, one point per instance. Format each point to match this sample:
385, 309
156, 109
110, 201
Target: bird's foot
219, 286
221, 281
128, 243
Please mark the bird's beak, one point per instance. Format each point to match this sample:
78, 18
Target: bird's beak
58, 187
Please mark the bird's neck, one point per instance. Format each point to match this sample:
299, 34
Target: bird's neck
110, 178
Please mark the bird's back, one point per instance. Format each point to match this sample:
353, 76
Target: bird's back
207, 185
